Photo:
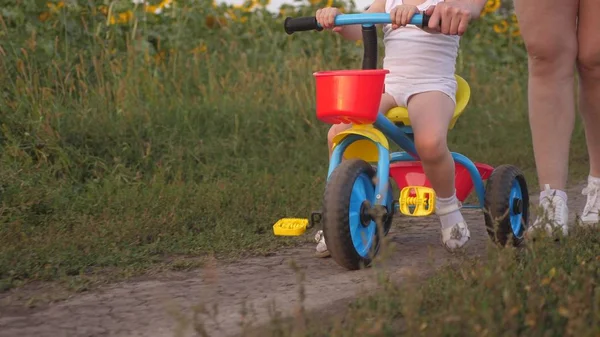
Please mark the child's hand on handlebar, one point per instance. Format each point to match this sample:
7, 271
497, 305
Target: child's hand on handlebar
402, 14
326, 18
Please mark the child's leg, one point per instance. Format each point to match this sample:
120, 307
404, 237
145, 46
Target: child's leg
430, 114
387, 102
333, 131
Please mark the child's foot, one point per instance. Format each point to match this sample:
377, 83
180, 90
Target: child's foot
592, 206
555, 213
321, 250
455, 232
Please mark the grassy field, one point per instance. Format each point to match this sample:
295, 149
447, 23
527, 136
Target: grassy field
130, 140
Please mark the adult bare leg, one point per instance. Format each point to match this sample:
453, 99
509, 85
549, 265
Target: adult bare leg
549, 33
588, 65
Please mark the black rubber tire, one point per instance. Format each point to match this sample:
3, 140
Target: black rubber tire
336, 226
497, 194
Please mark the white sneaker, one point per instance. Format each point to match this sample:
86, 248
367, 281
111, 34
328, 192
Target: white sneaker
457, 235
321, 250
555, 215
592, 206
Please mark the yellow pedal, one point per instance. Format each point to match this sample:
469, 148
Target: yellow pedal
290, 227
417, 201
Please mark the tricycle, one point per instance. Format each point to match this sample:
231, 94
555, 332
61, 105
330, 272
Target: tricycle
358, 202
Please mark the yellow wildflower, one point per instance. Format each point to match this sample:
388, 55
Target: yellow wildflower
200, 49
121, 18
515, 23
157, 9
286, 10
160, 56
491, 6
44, 16
247, 6
55, 8
501, 28
232, 15
212, 22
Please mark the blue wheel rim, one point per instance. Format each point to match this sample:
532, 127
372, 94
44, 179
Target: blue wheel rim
363, 237
516, 219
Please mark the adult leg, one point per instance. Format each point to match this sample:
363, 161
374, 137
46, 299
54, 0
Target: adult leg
430, 114
549, 32
588, 64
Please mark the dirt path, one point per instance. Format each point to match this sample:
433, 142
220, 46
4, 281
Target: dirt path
162, 306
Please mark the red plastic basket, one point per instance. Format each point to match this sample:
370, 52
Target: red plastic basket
349, 96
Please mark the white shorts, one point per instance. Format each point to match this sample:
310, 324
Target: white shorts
401, 91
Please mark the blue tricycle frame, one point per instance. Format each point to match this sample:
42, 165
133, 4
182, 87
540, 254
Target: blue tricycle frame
353, 209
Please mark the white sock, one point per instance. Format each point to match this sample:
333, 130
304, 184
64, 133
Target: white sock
549, 192
452, 218
593, 180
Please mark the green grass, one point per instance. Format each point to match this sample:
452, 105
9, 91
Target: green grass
109, 161
547, 288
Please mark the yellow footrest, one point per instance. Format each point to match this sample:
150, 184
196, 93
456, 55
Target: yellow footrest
417, 201
290, 227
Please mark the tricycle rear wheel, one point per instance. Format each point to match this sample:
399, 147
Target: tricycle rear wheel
352, 236
506, 205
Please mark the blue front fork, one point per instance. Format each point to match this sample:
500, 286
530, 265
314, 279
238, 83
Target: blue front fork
383, 165
397, 135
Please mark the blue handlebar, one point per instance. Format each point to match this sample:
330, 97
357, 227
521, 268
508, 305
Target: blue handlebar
368, 22
368, 19
365, 19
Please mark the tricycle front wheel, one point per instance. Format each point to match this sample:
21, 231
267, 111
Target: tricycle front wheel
352, 236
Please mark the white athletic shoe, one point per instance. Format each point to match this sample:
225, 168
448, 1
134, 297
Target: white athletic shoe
592, 206
321, 250
555, 215
455, 236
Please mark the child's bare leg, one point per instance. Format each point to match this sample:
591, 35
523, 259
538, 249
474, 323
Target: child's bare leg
333, 131
430, 114
387, 102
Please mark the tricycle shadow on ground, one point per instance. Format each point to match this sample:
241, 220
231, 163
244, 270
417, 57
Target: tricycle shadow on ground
163, 304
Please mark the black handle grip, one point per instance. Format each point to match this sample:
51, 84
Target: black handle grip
425, 20
300, 24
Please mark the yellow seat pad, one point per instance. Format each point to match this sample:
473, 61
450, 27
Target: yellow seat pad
463, 93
